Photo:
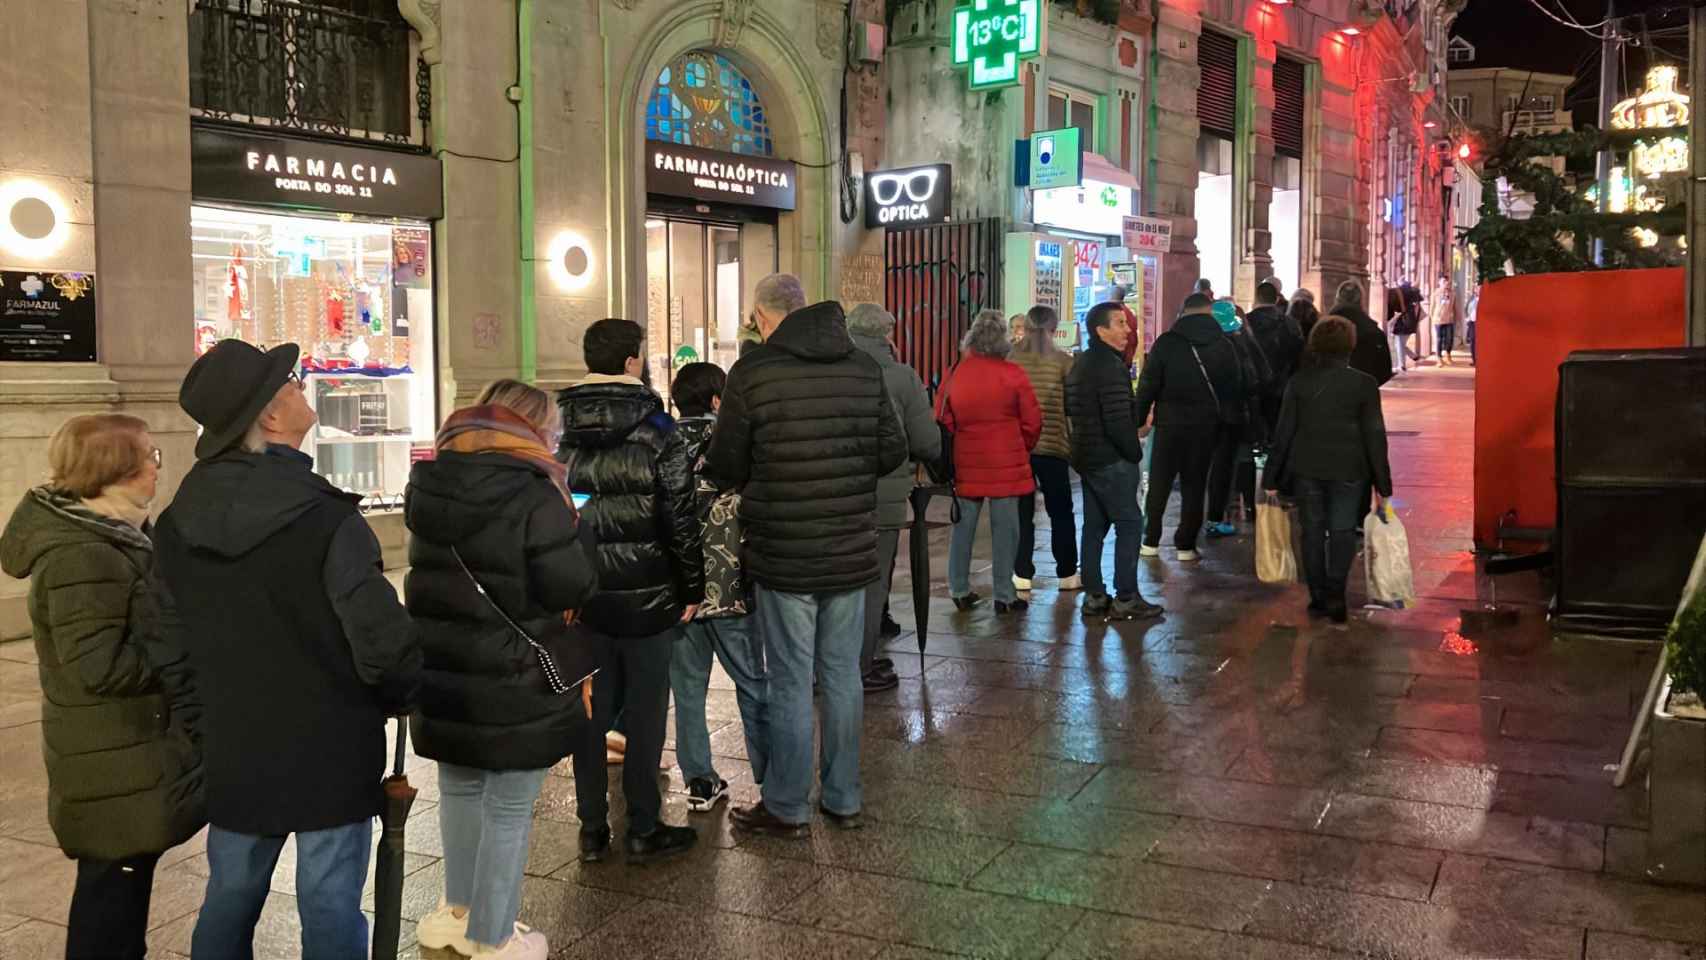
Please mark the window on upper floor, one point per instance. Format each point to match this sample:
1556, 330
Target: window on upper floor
1459, 50
1461, 104
1073, 108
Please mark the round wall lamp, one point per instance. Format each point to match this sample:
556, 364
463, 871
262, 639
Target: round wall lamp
34, 220
570, 259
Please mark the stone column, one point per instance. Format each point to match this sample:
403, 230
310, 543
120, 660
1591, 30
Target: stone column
1337, 246
1256, 171
1173, 110
476, 251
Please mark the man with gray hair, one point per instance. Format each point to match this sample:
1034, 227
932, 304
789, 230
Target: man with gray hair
872, 329
1371, 354
805, 431
300, 647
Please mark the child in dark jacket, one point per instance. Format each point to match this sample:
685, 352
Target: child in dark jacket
724, 625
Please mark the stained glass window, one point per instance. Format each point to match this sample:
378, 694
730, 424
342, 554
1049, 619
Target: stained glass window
703, 100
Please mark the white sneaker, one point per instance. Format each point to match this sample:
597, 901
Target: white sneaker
1074, 582
525, 944
1187, 556
1149, 551
1020, 583
443, 930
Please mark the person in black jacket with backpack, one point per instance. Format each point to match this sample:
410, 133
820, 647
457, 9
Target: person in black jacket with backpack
1243, 426
624, 451
496, 541
1193, 380
1330, 444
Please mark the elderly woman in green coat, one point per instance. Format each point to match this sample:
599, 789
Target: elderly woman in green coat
118, 715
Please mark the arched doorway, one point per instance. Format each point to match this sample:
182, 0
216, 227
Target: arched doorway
712, 205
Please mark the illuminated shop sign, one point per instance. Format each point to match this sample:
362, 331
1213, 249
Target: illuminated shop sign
677, 170
1660, 106
992, 36
1055, 158
909, 196
1091, 207
295, 172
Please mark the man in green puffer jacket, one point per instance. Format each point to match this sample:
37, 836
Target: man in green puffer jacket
872, 329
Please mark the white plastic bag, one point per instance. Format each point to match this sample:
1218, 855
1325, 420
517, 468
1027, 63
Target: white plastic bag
1386, 553
1275, 562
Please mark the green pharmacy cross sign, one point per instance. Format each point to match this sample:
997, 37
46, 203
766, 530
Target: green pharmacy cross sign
992, 36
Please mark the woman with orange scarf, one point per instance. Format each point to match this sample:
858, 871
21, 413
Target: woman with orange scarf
499, 559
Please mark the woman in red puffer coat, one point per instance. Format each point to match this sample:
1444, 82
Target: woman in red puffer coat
991, 411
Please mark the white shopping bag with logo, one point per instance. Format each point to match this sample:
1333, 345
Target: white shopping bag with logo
1386, 554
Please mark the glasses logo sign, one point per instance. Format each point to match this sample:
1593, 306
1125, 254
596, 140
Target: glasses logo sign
908, 196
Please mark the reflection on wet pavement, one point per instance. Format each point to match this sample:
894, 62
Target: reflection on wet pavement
1232, 781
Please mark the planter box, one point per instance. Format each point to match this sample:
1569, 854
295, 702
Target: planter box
1676, 847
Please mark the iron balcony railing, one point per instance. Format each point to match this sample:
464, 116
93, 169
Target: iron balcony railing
341, 68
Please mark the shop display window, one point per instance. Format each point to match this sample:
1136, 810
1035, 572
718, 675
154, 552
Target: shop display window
356, 295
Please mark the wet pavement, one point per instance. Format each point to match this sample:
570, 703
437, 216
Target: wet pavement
1232, 781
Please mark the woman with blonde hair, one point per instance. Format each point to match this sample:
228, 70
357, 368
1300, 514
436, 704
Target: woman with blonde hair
498, 563
118, 715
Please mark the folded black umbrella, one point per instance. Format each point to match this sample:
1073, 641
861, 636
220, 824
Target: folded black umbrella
388, 866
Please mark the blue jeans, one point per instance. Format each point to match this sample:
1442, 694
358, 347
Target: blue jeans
1003, 527
1329, 512
1110, 500
735, 643
803, 631
485, 817
331, 866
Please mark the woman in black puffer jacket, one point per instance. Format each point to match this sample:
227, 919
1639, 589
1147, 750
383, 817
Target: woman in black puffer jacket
495, 501
119, 717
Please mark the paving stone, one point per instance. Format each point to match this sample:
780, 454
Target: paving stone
1087, 743
1593, 800
1578, 846
33, 940
1040, 821
1105, 937
1195, 897
1617, 946
998, 770
1404, 930
933, 917
1507, 755
1573, 898
891, 849
1626, 853
1208, 798
1311, 859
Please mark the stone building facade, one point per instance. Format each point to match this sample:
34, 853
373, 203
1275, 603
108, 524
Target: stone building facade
532, 153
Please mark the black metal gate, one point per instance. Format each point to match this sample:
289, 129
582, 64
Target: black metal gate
935, 280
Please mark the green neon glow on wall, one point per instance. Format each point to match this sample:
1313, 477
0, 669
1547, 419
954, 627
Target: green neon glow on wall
527, 328
991, 36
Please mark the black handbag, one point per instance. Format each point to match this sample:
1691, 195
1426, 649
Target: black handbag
547, 663
941, 470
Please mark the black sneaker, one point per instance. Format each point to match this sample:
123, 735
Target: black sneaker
879, 680
704, 793
841, 821
967, 602
882, 663
890, 629
1133, 608
663, 841
595, 843
1097, 604
1017, 606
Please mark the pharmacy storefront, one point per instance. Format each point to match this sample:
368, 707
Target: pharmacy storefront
328, 245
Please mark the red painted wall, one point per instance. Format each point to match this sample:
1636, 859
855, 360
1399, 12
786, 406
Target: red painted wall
1526, 326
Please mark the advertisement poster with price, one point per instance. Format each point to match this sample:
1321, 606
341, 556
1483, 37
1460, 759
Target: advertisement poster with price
1049, 273
1087, 266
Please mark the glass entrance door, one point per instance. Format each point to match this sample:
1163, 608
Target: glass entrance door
698, 276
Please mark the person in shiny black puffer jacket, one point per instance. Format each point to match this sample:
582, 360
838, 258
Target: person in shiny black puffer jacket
624, 451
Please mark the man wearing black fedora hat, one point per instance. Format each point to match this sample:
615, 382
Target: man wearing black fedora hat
300, 646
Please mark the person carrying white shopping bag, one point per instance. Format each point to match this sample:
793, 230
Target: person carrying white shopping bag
1275, 562
1386, 558
1329, 442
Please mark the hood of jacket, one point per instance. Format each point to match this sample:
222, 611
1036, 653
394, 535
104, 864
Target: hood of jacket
235, 502
455, 496
696, 433
817, 333
1199, 328
602, 412
46, 518
877, 347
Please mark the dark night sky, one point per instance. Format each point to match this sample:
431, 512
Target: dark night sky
1512, 33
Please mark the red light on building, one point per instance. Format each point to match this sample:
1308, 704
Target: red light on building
1350, 31
1463, 151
